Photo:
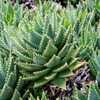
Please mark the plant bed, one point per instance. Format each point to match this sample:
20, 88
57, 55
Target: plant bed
49, 53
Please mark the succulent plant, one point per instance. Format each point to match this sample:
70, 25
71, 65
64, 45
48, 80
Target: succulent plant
49, 54
43, 46
93, 93
95, 68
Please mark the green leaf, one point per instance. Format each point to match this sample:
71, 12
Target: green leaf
60, 82
43, 43
78, 65
39, 59
50, 32
22, 57
93, 94
61, 68
40, 83
63, 51
98, 77
29, 67
44, 96
6, 92
16, 95
50, 50
11, 80
9, 14
53, 61
44, 80
31, 97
